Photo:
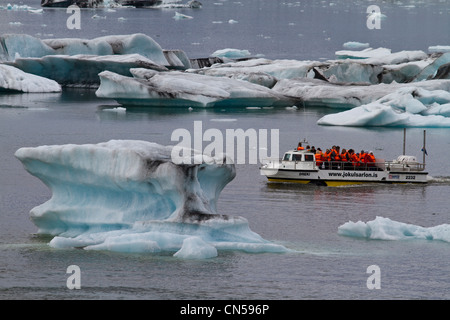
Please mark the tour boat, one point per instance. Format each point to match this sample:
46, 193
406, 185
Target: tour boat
300, 166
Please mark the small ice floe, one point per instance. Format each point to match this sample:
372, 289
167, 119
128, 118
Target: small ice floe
386, 229
36, 11
96, 16
439, 49
180, 16
354, 45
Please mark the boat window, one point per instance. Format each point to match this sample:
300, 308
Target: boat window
309, 157
287, 157
297, 157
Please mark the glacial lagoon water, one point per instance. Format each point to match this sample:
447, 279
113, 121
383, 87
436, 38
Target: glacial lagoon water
323, 264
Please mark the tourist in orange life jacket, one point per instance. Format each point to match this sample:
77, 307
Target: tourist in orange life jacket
345, 158
334, 156
299, 147
370, 160
326, 158
354, 157
319, 157
362, 158
362, 155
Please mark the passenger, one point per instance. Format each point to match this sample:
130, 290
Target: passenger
334, 156
345, 158
327, 158
370, 160
313, 149
354, 157
299, 147
319, 157
363, 158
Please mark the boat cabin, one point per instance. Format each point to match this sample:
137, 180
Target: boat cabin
296, 159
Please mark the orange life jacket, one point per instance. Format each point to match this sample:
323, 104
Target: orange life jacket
355, 160
362, 157
319, 158
344, 157
335, 154
369, 158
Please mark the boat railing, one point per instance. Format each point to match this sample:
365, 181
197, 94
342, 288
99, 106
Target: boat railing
378, 165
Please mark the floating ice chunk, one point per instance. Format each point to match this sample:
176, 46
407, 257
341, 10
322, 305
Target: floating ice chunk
196, 248
431, 71
407, 107
83, 70
73, 46
353, 45
13, 79
35, 11
149, 88
28, 46
363, 54
435, 49
280, 69
177, 59
180, 16
96, 16
173, 4
313, 92
396, 58
386, 229
231, 53
136, 44
130, 196
24, 45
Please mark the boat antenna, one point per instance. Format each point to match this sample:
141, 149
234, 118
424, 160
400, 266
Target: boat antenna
404, 141
424, 150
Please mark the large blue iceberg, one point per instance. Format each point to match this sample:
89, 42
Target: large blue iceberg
130, 196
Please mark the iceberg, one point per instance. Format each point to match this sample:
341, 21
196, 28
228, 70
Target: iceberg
355, 45
22, 45
25, 46
406, 107
82, 70
362, 54
278, 69
386, 229
15, 80
231, 53
129, 196
181, 89
438, 48
314, 92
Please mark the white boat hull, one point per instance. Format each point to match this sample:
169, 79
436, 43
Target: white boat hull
342, 177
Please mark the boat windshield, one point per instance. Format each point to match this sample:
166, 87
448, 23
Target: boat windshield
287, 156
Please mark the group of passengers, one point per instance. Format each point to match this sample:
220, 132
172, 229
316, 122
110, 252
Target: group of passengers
334, 158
